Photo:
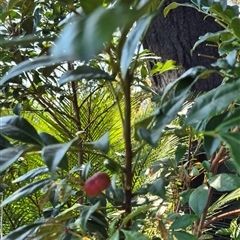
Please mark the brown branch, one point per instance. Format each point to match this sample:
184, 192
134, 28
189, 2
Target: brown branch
128, 147
220, 216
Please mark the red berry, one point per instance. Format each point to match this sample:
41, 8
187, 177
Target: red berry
96, 184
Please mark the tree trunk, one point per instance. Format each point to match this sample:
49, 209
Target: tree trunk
174, 36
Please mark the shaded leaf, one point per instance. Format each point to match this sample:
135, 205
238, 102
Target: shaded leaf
85, 214
54, 155
224, 182
26, 190
184, 221
30, 65
20, 129
102, 144
233, 142
9, 155
198, 199
132, 42
183, 235
208, 104
235, 23
4, 143
22, 232
158, 188
84, 72
132, 235
133, 214
32, 174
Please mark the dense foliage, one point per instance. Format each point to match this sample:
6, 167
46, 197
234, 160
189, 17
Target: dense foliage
75, 101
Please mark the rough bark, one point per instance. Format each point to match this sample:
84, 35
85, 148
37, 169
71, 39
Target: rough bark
174, 36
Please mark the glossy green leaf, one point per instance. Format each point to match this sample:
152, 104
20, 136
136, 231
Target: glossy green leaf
132, 42
102, 144
144, 123
32, 174
22, 232
208, 104
26, 190
54, 155
84, 72
233, 142
20, 129
224, 182
235, 23
4, 143
85, 171
183, 235
157, 188
132, 235
170, 7
89, 6
198, 199
184, 221
185, 195
9, 155
87, 211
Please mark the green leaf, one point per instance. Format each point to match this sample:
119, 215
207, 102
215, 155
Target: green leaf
235, 23
208, 104
115, 236
132, 42
198, 199
32, 174
232, 119
210, 37
12, 3
22, 232
84, 72
85, 214
20, 129
29, 65
224, 182
85, 171
184, 221
180, 152
233, 142
185, 195
87, 37
102, 144
133, 214
183, 235
158, 188
47, 138
26, 190
54, 155
131, 235
9, 155
211, 144
170, 7
144, 123
4, 143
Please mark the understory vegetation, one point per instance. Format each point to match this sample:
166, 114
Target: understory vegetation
76, 100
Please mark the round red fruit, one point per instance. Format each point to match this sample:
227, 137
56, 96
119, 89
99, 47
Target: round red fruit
96, 184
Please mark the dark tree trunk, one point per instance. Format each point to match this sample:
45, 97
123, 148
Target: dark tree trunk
174, 36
